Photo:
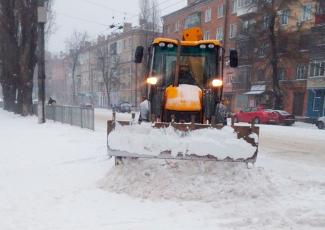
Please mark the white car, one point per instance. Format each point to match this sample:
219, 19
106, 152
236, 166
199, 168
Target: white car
321, 123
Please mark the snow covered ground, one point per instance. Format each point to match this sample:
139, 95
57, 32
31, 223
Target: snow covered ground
56, 176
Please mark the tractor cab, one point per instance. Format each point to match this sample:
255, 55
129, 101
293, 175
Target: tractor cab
185, 78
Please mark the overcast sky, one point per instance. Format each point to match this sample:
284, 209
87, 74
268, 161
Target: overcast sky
94, 16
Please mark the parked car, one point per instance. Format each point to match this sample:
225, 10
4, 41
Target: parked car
321, 123
260, 115
124, 107
86, 106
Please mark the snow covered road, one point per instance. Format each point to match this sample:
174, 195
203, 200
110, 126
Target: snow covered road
55, 176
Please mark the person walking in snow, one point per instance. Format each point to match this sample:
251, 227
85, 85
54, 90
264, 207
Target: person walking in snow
144, 110
221, 113
51, 101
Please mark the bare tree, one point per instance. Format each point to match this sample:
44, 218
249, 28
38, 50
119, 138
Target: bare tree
74, 45
149, 16
272, 41
9, 51
108, 62
51, 16
18, 35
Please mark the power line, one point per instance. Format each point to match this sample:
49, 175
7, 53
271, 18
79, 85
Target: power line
106, 25
100, 5
159, 4
81, 19
137, 15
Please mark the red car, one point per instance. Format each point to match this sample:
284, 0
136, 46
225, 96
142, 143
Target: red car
264, 116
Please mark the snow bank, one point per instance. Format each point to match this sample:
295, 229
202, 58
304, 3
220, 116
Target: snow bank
190, 181
143, 139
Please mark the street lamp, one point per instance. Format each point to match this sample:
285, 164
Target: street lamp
41, 15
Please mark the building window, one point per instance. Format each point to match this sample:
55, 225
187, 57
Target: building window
317, 104
244, 3
219, 34
234, 6
317, 68
177, 25
284, 17
208, 15
220, 11
266, 22
193, 20
233, 31
301, 71
281, 74
206, 35
263, 49
248, 25
320, 8
306, 12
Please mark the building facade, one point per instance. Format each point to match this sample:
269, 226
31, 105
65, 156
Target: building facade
316, 78
116, 53
292, 25
239, 24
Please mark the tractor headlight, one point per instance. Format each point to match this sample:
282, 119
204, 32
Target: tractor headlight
152, 80
217, 83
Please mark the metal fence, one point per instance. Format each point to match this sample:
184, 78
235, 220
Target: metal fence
83, 117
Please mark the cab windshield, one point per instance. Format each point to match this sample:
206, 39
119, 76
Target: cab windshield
198, 64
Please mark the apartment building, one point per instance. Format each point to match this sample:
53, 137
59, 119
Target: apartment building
120, 49
239, 24
292, 34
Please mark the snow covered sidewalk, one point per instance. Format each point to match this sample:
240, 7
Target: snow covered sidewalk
56, 176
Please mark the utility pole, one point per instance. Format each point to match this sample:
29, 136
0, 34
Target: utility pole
136, 85
41, 12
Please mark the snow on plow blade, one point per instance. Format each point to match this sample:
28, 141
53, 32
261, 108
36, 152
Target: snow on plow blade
180, 141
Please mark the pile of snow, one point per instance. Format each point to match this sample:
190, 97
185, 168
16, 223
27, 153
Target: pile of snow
145, 140
189, 181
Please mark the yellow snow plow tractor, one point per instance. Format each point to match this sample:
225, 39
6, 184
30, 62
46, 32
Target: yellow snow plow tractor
186, 116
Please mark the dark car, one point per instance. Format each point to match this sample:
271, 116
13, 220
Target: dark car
124, 107
321, 123
260, 115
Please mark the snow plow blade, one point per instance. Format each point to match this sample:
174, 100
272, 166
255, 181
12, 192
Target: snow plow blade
243, 132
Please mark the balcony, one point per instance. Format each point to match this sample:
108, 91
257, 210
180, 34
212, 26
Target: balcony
246, 8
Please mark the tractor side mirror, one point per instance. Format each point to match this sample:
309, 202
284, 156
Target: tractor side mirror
138, 54
233, 58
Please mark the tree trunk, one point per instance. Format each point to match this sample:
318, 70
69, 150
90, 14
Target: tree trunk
73, 84
9, 96
274, 64
108, 95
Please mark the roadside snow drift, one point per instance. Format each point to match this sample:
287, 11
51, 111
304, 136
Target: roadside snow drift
145, 140
59, 177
